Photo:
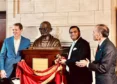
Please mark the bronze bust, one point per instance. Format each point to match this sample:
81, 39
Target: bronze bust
46, 40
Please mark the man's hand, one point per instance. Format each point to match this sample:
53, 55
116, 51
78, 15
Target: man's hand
62, 61
82, 63
58, 58
3, 74
22, 60
56, 61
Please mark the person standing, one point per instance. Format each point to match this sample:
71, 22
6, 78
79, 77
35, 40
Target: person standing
10, 53
79, 50
105, 59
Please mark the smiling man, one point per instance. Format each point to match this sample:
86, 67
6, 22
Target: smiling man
10, 52
79, 50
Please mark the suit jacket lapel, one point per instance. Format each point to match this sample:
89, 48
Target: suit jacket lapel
103, 44
21, 43
76, 45
98, 54
12, 44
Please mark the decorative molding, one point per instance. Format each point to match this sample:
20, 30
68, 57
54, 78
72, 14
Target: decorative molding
18, 6
16, 9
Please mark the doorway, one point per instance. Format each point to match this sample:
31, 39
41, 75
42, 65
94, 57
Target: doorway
2, 27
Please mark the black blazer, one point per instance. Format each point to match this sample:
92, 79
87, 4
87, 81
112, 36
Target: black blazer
105, 63
80, 51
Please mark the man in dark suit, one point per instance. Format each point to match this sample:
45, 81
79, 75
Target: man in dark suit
105, 60
79, 50
11, 51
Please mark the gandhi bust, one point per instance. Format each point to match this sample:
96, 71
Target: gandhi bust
46, 40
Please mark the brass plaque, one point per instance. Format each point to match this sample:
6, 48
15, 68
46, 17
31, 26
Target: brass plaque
40, 63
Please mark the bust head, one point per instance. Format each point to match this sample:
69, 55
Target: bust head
46, 40
45, 28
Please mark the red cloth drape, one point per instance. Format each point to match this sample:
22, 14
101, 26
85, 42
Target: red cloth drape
29, 76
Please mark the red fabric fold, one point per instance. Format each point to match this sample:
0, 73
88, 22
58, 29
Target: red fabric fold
28, 76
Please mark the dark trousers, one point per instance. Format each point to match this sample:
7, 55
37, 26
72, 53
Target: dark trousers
6, 81
69, 81
13, 74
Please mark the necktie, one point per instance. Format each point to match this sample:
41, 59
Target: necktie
97, 57
98, 48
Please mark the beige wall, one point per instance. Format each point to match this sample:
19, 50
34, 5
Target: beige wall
62, 14
2, 5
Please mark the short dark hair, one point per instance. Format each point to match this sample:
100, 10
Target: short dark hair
74, 27
19, 25
103, 29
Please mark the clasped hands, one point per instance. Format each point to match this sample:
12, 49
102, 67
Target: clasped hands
82, 63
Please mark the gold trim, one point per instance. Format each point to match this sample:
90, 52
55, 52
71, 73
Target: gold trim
52, 76
45, 73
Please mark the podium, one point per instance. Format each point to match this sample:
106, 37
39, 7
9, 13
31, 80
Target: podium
50, 54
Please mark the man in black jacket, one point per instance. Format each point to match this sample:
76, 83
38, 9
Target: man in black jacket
105, 59
79, 50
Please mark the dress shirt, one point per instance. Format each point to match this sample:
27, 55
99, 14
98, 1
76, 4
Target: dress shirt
71, 48
98, 45
17, 44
